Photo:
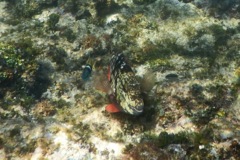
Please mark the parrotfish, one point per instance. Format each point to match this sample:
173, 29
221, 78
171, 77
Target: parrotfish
87, 70
125, 87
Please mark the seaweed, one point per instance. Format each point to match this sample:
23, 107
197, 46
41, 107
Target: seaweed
163, 145
105, 7
42, 79
59, 56
164, 139
27, 9
143, 2
69, 34
52, 21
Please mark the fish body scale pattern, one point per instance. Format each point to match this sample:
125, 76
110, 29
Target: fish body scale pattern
125, 86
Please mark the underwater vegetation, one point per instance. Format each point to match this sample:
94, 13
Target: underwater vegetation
59, 56
91, 41
220, 9
22, 77
54, 60
29, 8
106, 7
69, 34
189, 145
207, 108
237, 80
146, 151
17, 60
52, 21
42, 79
141, 2
43, 109
10, 61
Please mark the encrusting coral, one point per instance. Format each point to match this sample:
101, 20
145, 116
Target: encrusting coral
184, 53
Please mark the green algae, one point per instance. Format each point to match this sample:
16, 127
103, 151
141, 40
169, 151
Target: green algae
69, 34
71, 6
165, 139
59, 56
160, 63
42, 79
190, 140
106, 7
10, 102
27, 9
65, 115
146, 151
16, 59
83, 131
61, 103
52, 21
10, 143
24, 10
210, 48
141, 2
10, 61
224, 8
20, 74
221, 35
156, 55
237, 78
43, 109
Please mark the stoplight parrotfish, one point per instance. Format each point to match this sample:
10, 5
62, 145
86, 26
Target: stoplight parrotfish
126, 88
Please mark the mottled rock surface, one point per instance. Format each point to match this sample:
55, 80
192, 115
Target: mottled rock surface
185, 54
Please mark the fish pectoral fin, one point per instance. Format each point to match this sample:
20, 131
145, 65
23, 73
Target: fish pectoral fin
109, 74
112, 108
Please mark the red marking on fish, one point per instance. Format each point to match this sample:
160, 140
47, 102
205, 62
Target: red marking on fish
112, 108
109, 73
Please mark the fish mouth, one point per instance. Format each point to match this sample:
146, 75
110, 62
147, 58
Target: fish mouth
137, 110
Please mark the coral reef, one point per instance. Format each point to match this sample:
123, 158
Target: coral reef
185, 54
29, 8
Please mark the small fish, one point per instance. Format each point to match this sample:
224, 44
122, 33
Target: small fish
172, 77
87, 70
126, 88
